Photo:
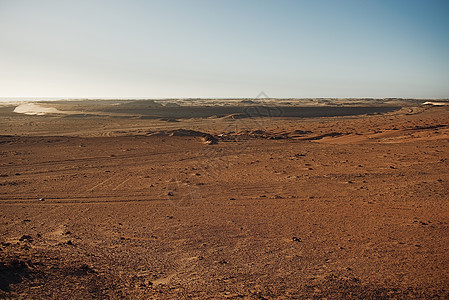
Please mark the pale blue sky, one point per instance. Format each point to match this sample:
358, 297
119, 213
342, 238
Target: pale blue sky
199, 48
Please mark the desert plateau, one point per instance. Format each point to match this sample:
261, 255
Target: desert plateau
225, 199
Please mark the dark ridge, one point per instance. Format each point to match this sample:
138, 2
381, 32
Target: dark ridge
248, 111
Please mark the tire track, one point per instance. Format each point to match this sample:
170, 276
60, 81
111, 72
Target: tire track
122, 183
101, 183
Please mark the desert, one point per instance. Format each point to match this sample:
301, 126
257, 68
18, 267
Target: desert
225, 199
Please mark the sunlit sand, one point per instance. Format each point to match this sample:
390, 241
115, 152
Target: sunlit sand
143, 199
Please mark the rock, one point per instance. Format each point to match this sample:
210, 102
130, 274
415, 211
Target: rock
184, 132
300, 132
26, 238
209, 139
172, 120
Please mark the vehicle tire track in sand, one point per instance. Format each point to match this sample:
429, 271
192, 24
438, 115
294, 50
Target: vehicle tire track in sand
101, 183
91, 200
122, 183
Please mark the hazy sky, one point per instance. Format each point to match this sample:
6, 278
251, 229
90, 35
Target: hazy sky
224, 48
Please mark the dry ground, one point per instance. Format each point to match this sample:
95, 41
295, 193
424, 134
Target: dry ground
353, 207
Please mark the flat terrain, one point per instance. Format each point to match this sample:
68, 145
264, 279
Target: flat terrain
95, 205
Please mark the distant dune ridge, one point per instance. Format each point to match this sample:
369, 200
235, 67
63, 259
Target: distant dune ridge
36, 109
208, 108
436, 103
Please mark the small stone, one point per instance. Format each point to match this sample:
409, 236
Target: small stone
27, 238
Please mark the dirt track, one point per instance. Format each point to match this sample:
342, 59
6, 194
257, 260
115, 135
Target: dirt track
345, 207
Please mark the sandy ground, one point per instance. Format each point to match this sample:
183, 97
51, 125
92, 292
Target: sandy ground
277, 208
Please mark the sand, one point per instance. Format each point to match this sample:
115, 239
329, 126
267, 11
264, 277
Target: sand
35, 109
109, 206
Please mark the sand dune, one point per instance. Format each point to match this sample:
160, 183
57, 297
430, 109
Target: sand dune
435, 103
36, 109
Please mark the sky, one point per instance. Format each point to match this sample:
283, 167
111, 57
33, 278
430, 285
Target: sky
224, 48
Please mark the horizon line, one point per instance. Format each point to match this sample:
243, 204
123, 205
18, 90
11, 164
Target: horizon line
210, 98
